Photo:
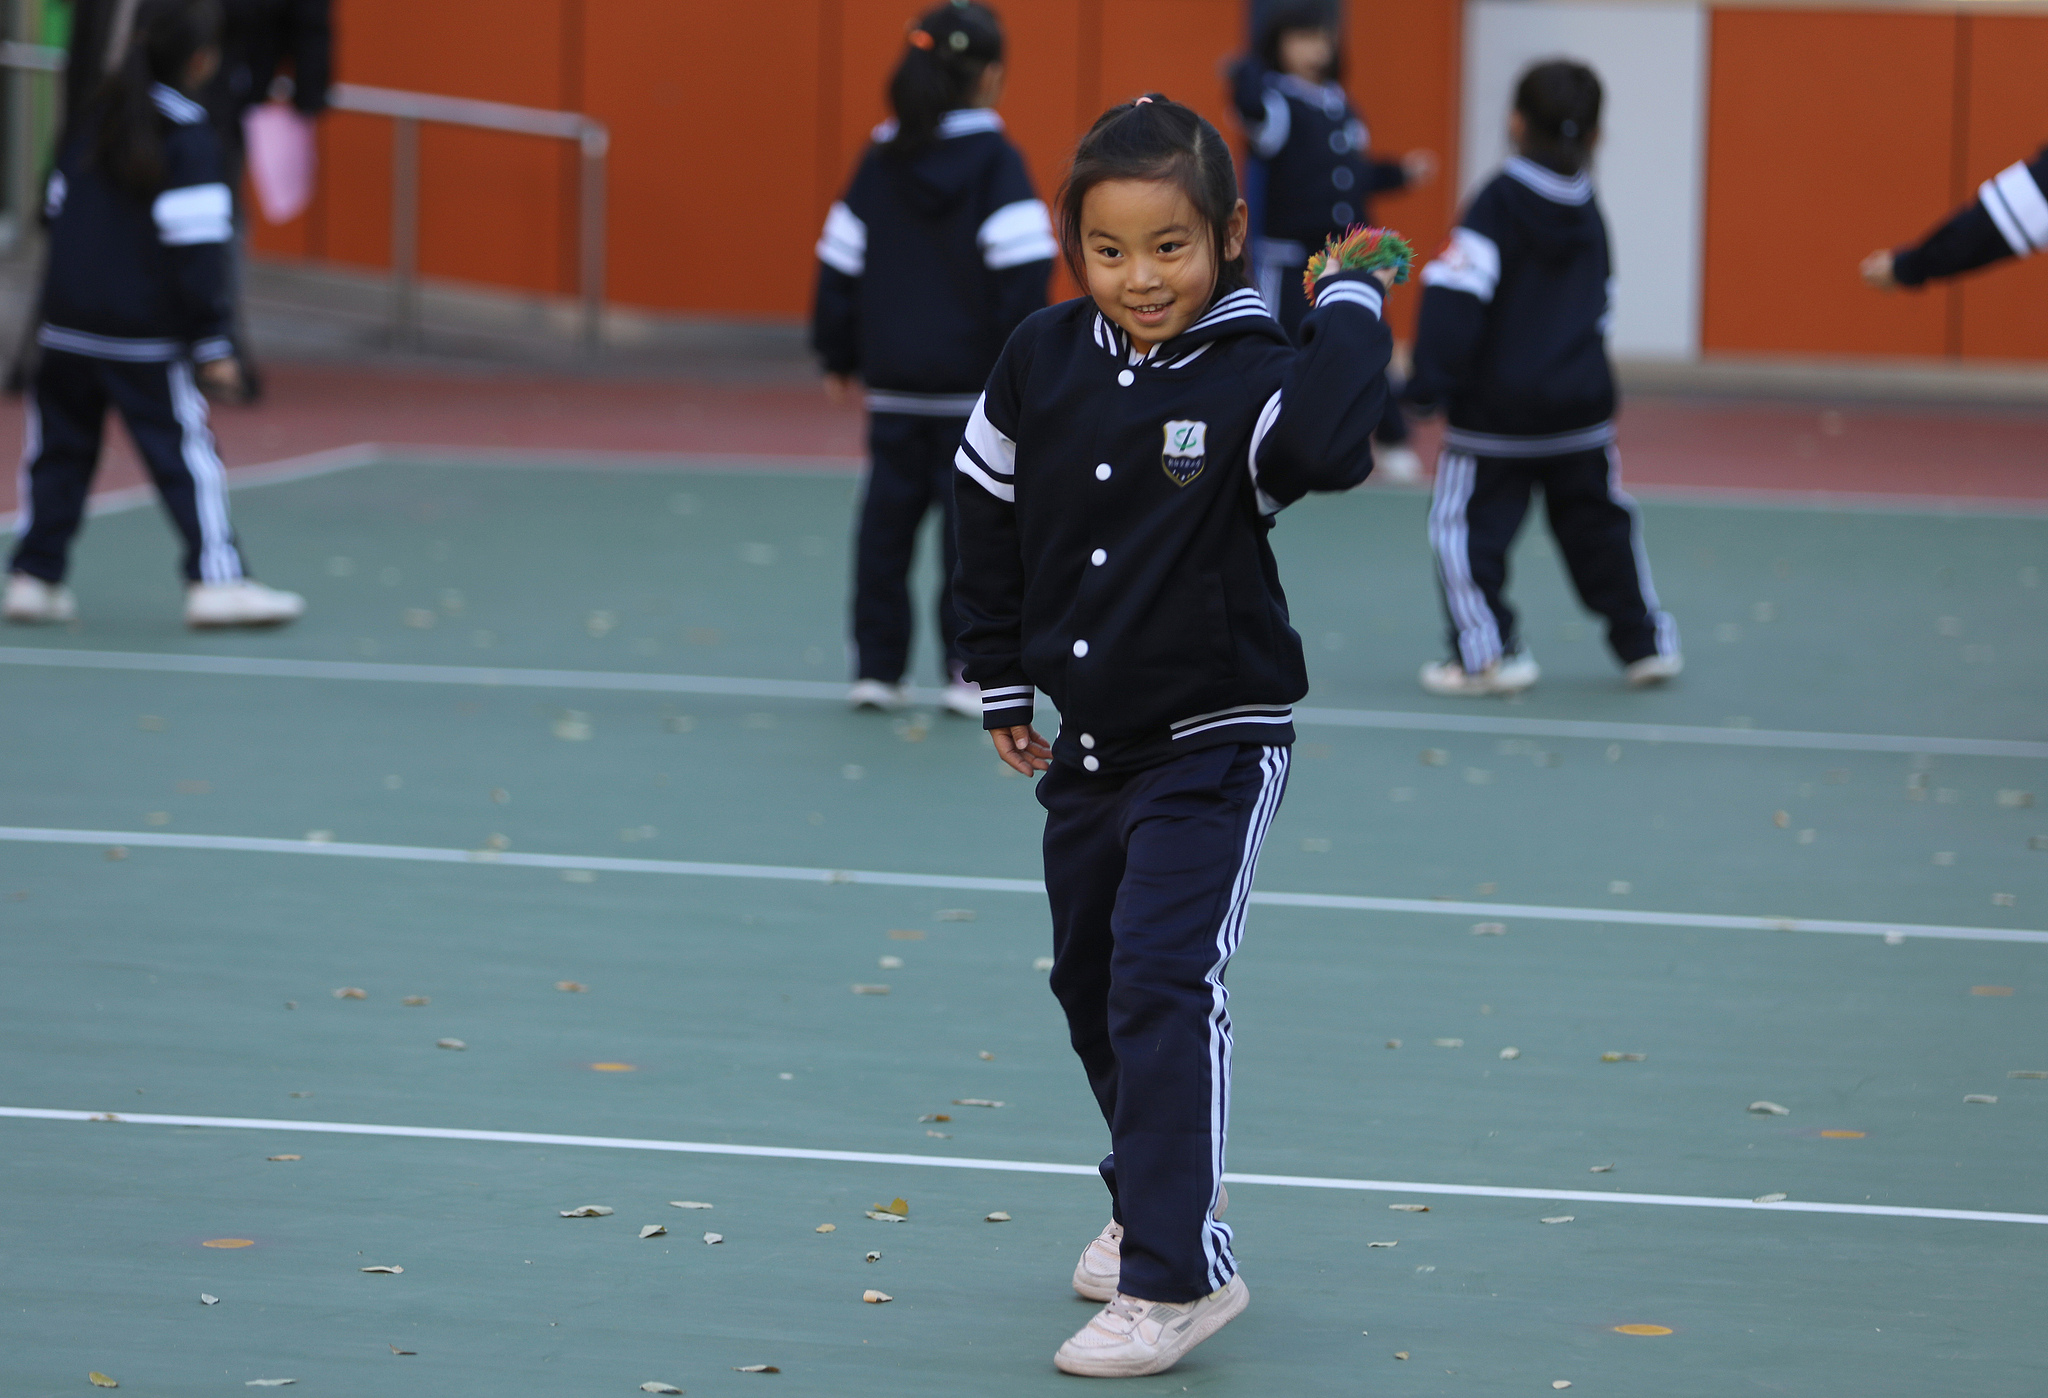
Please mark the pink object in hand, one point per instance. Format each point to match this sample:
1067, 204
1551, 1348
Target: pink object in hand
282, 160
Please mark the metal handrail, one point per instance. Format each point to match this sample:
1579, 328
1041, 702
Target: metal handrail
406, 111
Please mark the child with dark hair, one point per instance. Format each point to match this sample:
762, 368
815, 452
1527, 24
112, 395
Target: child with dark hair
935, 254
1120, 476
135, 295
1512, 341
1311, 160
2008, 218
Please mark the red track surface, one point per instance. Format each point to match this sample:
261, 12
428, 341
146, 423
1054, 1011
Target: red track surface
1690, 443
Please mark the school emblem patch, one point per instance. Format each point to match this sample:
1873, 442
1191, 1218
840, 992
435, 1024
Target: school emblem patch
1186, 450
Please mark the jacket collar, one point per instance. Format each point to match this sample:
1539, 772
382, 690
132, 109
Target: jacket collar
1241, 312
1328, 96
1558, 189
961, 121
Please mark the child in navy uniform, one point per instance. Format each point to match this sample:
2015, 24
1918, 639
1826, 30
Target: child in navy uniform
1119, 478
939, 249
1310, 155
135, 294
1513, 341
2008, 219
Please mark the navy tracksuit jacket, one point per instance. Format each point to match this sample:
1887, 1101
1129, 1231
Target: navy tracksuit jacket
136, 291
2009, 219
1512, 342
1114, 513
925, 267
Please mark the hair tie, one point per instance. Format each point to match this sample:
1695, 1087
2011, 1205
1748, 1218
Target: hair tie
1569, 128
920, 40
1141, 102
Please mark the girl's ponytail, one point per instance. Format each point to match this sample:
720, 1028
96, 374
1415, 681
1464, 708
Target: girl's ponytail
943, 60
162, 39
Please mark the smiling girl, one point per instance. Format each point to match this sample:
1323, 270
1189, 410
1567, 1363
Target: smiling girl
1122, 471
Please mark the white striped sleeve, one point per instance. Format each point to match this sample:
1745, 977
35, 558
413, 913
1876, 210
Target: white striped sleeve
1268, 415
1366, 294
987, 456
197, 213
1270, 134
1016, 234
1469, 263
2019, 208
844, 244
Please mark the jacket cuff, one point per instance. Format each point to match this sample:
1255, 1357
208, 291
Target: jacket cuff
1006, 703
213, 347
1359, 288
1906, 266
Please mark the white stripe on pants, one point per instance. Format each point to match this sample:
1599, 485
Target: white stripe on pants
1479, 640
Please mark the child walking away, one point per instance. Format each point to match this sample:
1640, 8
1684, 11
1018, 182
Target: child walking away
939, 249
137, 293
1118, 480
2008, 219
1309, 151
1513, 340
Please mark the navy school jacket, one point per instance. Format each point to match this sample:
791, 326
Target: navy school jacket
140, 279
928, 264
1512, 338
2009, 219
1320, 178
1113, 514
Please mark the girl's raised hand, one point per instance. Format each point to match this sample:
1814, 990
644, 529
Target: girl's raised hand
1022, 748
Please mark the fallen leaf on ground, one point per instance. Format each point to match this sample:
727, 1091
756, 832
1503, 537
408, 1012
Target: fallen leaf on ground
586, 1211
688, 1204
1559, 1218
898, 1206
875, 1298
450, 1044
1394, 1244
955, 915
1769, 1109
1400, 1354
1511, 1054
939, 1135
416, 1000
393, 1271
974, 1102
1991, 990
100, 1380
874, 1257
350, 992
652, 1230
890, 963
997, 1217
1489, 929
284, 1157
880, 1217
2027, 1073
710, 1238
1409, 1208
1448, 1043
396, 1350
1042, 963
1598, 1169
117, 852
1560, 1383
905, 934
1781, 819
654, 1387
935, 1116
1393, 1043
987, 1057
206, 1300
1621, 1058
859, 989
1768, 1199
755, 1369
268, 1383
826, 1228
573, 987
1984, 1098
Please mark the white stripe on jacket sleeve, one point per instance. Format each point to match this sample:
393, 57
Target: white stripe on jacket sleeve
1469, 263
987, 456
2019, 208
1015, 234
1268, 415
1363, 294
198, 213
844, 244
1269, 135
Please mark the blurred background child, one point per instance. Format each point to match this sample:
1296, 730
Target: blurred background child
938, 250
1313, 174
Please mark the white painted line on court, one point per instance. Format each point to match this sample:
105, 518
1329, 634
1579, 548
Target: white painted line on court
627, 681
1022, 1167
790, 873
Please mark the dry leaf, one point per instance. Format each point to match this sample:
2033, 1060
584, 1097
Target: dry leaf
1489, 929
268, 1383
1409, 1208
391, 1271
1768, 1199
652, 1230
655, 1387
954, 915
898, 1206
1982, 1097
939, 1135
302, 1094
987, 1057
755, 1369
1769, 1109
936, 1116
586, 1211
1560, 1383
100, 1380
1991, 990
396, 1350
1393, 1244
687, 1204
284, 1157
826, 1228
859, 989
1781, 819
349, 992
1448, 1043
1042, 963
450, 1044
2027, 1073
1511, 1054
1599, 1169
974, 1102
711, 1238
905, 934
878, 1216
1400, 1354
997, 1217
206, 1300
1558, 1218
573, 987
117, 852
890, 963
875, 1298
416, 1000
1621, 1058
1393, 1043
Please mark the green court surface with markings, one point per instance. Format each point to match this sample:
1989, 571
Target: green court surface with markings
1526, 964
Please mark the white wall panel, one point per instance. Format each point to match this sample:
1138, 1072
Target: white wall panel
1650, 169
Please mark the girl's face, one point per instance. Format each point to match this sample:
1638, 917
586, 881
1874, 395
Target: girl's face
1308, 53
1150, 257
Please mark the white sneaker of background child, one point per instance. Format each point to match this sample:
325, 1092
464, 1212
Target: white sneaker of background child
877, 695
1130, 1337
1397, 464
1102, 1261
244, 602
1654, 670
1511, 674
33, 602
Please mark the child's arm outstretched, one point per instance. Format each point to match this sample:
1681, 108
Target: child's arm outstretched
1457, 290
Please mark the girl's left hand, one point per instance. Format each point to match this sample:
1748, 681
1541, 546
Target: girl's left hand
1877, 270
1022, 748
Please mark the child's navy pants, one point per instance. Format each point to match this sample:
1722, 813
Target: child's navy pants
910, 470
166, 417
1149, 877
1478, 508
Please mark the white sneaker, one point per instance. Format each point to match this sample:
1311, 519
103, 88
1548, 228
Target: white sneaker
33, 602
1398, 464
1130, 1337
244, 602
877, 695
1654, 669
1511, 674
963, 699
1102, 1261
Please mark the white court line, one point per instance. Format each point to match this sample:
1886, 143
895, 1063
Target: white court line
789, 873
630, 682
1022, 1167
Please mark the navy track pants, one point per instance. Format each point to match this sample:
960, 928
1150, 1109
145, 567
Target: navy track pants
166, 417
910, 470
1149, 877
1479, 505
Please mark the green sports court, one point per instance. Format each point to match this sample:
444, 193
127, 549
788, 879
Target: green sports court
1527, 966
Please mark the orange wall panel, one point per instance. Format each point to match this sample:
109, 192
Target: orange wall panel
1829, 131
1402, 65
1178, 47
2004, 311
